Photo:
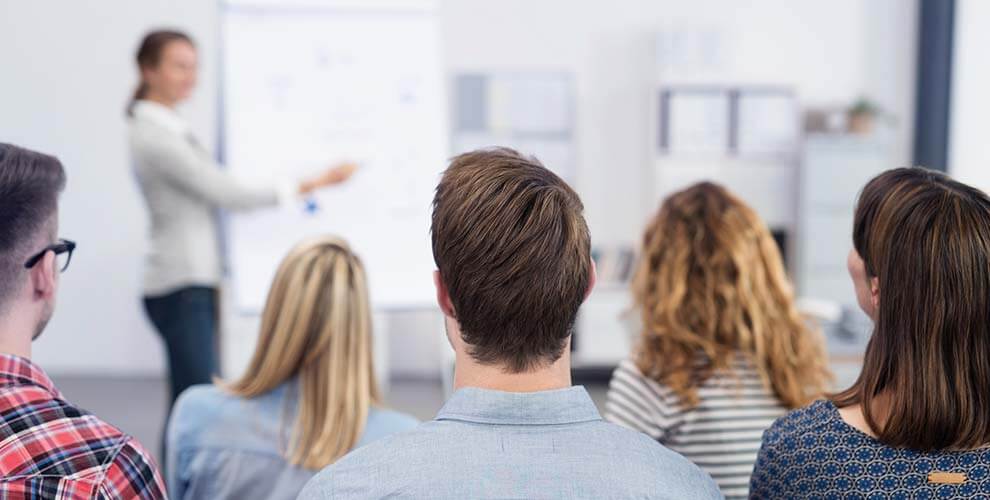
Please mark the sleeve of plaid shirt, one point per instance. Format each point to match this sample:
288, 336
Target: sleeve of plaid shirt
132, 474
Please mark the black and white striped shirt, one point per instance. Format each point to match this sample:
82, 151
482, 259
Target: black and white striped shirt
721, 434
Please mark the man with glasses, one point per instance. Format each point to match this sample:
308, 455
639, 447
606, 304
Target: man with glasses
48, 447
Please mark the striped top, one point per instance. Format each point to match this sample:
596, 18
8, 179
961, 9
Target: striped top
721, 434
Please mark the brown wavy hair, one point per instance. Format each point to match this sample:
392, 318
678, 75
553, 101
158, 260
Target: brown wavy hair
710, 286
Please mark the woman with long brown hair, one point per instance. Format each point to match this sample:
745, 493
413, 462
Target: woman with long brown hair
723, 350
916, 423
308, 396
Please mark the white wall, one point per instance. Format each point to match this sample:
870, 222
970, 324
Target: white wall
830, 52
969, 149
67, 70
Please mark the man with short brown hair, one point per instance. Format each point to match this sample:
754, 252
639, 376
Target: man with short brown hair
49, 448
513, 257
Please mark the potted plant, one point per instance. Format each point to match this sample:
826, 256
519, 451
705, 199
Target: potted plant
863, 115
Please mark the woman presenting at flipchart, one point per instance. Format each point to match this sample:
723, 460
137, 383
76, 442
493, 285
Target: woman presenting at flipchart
183, 187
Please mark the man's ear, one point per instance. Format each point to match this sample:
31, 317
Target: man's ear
43, 277
443, 298
875, 292
592, 279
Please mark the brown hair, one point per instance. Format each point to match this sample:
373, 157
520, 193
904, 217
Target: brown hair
149, 54
316, 328
710, 286
513, 250
926, 238
30, 183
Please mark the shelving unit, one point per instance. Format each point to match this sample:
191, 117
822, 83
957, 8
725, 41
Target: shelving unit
834, 168
605, 331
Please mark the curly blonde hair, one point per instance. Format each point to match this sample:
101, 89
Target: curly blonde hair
710, 286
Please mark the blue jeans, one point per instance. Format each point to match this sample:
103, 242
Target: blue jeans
187, 320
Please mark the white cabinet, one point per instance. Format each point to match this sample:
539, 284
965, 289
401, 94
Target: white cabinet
833, 171
606, 328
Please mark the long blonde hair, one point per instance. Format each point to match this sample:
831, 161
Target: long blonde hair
316, 327
710, 286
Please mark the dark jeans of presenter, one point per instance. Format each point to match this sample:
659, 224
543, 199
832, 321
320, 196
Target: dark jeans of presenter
186, 319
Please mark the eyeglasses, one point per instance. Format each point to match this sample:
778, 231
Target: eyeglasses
63, 254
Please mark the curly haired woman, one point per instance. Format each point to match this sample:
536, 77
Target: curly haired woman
723, 351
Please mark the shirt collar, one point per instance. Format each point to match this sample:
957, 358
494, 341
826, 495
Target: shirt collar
23, 371
561, 406
160, 115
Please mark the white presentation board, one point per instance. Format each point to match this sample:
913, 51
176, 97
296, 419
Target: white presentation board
310, 83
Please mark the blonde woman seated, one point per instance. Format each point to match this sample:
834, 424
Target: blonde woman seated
308, 397
723, 351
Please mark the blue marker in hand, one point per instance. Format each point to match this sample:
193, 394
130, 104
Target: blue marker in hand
311, 206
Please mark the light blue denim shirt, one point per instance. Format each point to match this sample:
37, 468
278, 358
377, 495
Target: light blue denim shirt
489, 444
222, 446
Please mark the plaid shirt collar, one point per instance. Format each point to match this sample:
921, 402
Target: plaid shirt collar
15, 370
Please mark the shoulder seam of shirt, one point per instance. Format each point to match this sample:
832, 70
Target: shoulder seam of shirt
98, 476
804, 429
474, 419
124, 441
192, 448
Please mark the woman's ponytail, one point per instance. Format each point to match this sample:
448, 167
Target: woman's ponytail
139, 93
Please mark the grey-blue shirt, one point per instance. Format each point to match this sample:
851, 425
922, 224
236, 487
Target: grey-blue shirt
222, 446
490, 444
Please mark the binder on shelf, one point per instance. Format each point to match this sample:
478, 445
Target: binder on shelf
727, 121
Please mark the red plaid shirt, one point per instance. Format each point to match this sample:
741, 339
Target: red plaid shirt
51, 449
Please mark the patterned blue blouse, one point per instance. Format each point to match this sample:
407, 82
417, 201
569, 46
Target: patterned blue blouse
813, 453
